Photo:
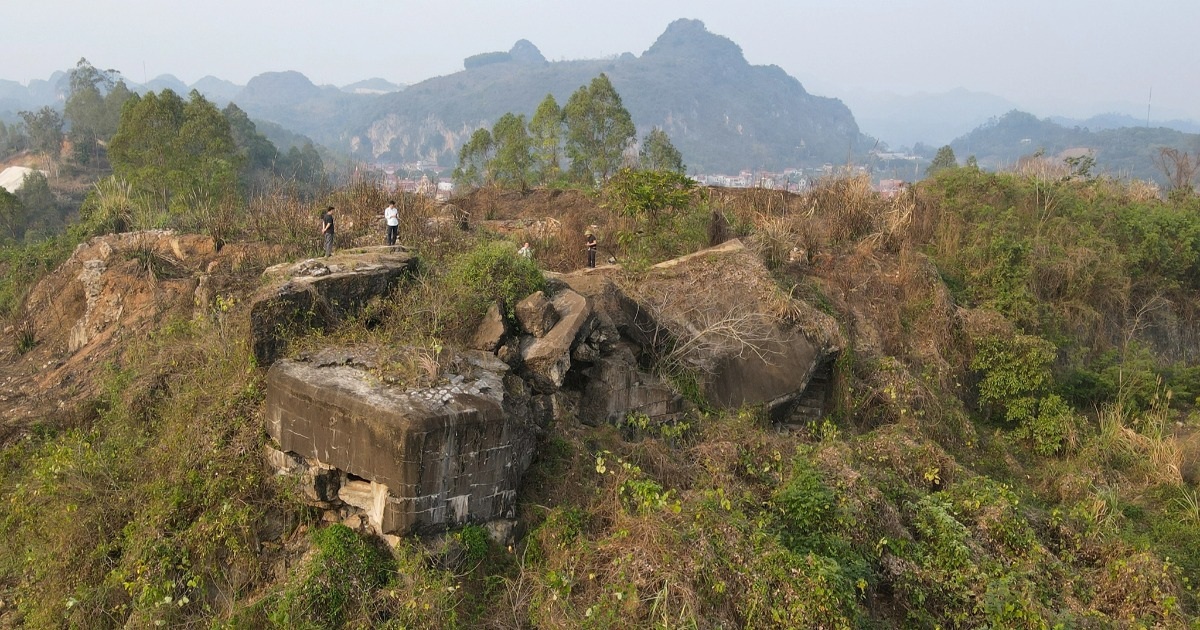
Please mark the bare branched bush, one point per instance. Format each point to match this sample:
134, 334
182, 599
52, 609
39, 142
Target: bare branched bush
1179, 167
277, 217
698, 325
1042, 168
219, 217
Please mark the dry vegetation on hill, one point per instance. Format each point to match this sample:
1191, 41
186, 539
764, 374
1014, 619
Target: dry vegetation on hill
1012, 441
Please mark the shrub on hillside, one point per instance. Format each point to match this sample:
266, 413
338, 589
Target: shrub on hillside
337, 583
492, 272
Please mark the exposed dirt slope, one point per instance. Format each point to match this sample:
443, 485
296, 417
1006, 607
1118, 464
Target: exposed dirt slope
111, 290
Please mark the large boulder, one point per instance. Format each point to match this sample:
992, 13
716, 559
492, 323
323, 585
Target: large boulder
414, 460
547, 359
719, 315
315, 294
536, 314
492, 331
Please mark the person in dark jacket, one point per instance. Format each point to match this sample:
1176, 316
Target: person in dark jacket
327, 230
590, 240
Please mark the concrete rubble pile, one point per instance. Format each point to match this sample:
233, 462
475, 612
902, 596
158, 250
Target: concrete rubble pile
400, 461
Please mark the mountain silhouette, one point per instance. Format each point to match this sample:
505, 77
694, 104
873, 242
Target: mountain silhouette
722, 113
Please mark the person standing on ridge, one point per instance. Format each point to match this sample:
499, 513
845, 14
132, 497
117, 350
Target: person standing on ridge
327, 230
590, 240
391, 216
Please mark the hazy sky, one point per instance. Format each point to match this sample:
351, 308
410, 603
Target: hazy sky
1073, 57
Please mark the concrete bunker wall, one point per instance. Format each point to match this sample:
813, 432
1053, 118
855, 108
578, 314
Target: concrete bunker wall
443, 456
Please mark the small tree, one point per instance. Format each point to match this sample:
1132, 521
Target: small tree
473, 158
599, 129
12, 216
37, 200
93, 97
658, 154
12, 139
545, 131
943, 160
45, 130
643, 194
511, 164
1178, 167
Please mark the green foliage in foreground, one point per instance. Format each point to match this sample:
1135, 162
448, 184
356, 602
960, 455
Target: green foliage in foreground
337, 582
21, 266
137, 512
493, 272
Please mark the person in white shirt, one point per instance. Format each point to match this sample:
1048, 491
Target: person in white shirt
391, 216
526, 251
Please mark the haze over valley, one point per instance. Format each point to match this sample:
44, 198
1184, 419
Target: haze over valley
783, 104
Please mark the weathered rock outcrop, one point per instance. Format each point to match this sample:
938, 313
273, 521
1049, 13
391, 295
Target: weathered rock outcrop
425, 459
548, 358
412, 461
112, 290
314, 294
717, 314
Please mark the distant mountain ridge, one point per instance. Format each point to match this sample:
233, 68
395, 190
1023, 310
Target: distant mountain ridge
1101, 122
724, 114
1123, 152
927, 118
721, 112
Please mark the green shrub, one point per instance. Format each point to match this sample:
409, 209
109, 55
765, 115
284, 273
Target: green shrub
336, 584
474, 540
22, 266
490, 272
1015, 384
806, 506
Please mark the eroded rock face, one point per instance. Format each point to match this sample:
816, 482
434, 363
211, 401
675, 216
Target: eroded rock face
414, 460
722, 313
536, 314
314, 294
548, 358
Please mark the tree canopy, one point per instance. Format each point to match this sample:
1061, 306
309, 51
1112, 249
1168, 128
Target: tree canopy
473, 158
599, 129
545, 131
943, 160
93, 109
45, 130
658, 154
12, 216
512, 163
166, 147
594, 126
